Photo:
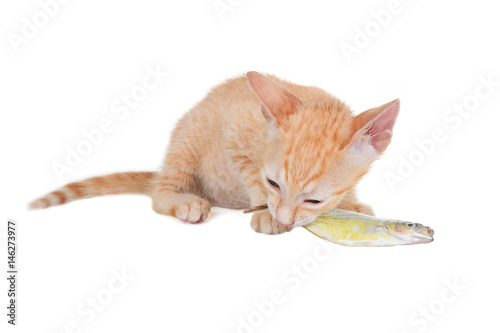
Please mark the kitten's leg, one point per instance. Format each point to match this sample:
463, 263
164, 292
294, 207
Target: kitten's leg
350, 202
184, 206
172, 196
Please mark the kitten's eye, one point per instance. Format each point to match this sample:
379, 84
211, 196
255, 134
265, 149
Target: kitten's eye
313, 201
273, 183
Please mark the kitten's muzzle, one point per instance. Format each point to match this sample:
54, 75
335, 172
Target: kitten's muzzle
284, 215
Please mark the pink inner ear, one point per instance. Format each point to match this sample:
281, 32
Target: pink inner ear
378, 124
278, 103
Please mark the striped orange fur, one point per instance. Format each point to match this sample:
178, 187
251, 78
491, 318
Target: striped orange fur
257, 140
116, 183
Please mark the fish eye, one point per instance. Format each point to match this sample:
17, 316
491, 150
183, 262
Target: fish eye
411, 225
273, 183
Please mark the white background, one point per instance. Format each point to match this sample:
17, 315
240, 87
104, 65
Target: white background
207, 278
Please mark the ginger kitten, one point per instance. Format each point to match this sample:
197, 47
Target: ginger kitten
257, 140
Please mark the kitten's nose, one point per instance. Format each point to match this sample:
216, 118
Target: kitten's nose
285, 224
285, 214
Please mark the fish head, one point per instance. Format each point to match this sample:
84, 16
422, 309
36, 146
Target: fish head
410, 233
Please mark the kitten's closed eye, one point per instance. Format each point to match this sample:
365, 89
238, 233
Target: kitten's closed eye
313, 201
273, 183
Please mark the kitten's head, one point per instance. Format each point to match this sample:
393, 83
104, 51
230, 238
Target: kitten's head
316, 151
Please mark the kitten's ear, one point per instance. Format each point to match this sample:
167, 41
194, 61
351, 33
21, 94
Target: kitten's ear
373, 129
277, 103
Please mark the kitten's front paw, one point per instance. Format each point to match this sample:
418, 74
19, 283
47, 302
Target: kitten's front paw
186, 207
193, 210
263, 222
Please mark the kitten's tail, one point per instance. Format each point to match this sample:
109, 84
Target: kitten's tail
116, 183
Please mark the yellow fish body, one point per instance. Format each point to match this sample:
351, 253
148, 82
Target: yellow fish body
355, 229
